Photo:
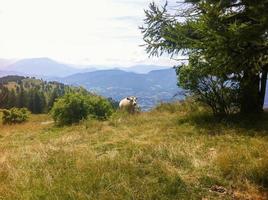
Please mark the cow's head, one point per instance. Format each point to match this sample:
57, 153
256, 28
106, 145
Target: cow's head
133, 100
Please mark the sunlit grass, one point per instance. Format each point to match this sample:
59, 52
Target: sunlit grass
176, 151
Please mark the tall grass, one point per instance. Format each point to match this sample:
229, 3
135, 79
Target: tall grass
172, 152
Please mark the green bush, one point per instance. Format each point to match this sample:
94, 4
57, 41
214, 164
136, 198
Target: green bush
99, 107
15, 115
73, 107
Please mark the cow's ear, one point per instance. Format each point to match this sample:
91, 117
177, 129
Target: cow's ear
128, 98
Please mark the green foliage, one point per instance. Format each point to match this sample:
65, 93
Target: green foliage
226, 43
36, 101
69, 109
98, 107
73, 107
3, 95
36, 95
15, 115
114, 103
219, 93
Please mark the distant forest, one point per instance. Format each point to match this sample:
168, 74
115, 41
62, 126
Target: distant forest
36, 95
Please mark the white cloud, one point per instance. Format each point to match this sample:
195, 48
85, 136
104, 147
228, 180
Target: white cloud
77, 31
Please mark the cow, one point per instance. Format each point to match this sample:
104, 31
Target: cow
128, 104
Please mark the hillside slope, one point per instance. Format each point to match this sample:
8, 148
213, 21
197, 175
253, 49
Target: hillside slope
150, 88
163, 154
143, 69
34, 94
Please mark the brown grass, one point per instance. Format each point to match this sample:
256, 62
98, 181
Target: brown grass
164, 154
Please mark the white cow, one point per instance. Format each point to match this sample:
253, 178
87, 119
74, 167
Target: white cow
129, 104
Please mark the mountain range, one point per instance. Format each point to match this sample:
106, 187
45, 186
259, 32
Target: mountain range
46, 67
151, 88
41, 67
150, 83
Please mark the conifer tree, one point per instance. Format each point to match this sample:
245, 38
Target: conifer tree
227, 46
11, 100
21, 97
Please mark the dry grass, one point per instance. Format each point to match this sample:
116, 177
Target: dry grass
163, 154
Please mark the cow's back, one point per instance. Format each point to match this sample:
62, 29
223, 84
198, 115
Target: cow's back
126, 105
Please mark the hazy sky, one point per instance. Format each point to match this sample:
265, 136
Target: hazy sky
75, 31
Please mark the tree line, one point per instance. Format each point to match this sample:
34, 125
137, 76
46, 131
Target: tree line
36, 95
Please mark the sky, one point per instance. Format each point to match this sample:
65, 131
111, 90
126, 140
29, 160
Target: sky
83, 32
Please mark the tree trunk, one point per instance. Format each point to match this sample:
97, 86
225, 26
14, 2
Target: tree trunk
263, 85
250, 94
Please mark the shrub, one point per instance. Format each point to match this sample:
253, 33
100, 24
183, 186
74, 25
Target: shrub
15, 115
219, 93
73, 107
99, 107
70, 108
114, 103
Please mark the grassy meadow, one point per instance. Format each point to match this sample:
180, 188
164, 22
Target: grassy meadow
176, 151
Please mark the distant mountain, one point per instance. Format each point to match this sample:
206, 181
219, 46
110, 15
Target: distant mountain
6, 62
42, 67
143, 69
6, 73
119, 78
150, 83
48, 68
150, 88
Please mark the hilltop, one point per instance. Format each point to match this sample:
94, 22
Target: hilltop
176, 151
41, 67
35, 94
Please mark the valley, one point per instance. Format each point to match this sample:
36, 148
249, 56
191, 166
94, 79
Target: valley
151, 84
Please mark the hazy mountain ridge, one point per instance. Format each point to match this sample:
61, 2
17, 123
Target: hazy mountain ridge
151, 88
6, 62
46, 67
41, 66
6, 73
150, 83
143, 69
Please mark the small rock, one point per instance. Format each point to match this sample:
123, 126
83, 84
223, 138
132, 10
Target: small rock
47, 122
217, 188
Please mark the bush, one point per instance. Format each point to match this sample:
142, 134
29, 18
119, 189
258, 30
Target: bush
219, 93
70, 108
15, 115
73, 107
99, 107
